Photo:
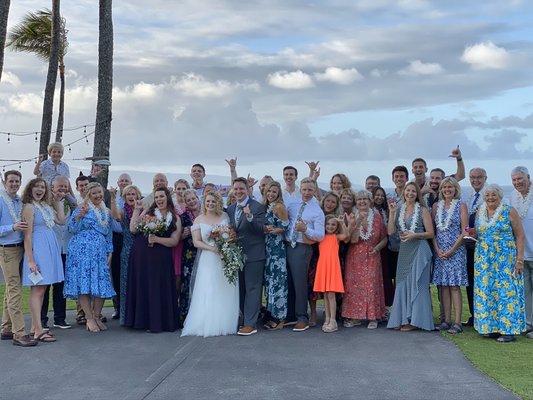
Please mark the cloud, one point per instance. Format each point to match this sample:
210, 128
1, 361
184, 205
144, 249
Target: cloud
194, 85
26, 103
339, 75
417, 67
486, 55
9, 78
290, 80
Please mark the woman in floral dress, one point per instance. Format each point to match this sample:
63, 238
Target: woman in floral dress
449, 273
275, 277
499, 305
364, 298
188, 255
87, 275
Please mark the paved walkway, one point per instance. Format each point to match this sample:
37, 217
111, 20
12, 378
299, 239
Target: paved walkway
349, 364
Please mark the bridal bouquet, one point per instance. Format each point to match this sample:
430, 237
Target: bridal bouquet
152, 225
231, 252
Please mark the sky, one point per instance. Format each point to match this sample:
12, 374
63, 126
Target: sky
360, 85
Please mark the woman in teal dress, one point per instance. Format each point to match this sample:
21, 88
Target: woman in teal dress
275, 278
499, 305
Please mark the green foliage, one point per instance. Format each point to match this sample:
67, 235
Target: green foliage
34, 35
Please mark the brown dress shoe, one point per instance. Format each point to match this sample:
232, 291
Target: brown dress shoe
247, 331
300, 326
24, 341
6, 336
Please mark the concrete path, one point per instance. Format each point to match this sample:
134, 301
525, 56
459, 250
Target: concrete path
350, 364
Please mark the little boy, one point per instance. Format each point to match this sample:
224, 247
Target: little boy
53, 166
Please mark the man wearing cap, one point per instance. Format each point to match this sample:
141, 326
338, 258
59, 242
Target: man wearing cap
11, 251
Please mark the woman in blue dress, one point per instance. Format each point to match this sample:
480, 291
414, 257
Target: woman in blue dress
275, 276
42, 253
87, 276
499, 304
130, 194
411, 308
449, 273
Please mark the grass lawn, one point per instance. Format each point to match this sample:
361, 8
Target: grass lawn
509, 364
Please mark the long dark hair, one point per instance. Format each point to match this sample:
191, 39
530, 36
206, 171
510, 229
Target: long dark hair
170, 205
385, 205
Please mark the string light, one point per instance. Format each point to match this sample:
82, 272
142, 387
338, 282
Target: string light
70, 129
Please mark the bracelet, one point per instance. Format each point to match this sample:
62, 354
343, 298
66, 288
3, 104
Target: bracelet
459, 159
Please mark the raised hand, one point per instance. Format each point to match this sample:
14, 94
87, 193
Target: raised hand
232, 162
251, 181
113, 192
315, 174
393, 207
456, 153
246, 210
312, 165
84, 208
139, 205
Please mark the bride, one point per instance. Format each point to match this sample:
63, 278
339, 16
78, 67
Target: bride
214, 308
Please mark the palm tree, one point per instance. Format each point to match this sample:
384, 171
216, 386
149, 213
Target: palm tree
102, 134
34, 35
4, 12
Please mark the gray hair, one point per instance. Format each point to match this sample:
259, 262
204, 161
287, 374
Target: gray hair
493, 188
520, 170
363, 194
58, 178
482, 170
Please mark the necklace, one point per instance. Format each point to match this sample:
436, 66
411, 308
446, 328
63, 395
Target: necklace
484, 221
101, 213
47, 212
521, 203
444, 225
414, 220
369, 226
15, 215
167, 219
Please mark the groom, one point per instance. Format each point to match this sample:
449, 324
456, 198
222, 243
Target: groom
247, 217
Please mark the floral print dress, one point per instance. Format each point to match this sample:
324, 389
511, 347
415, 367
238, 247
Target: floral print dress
188, 255
276, 287
499, 305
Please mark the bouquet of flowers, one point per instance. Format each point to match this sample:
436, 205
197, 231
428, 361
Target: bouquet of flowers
154, 225
231, 252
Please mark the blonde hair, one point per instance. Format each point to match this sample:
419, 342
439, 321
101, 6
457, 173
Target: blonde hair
182, 181
220, 205
279, 199
451, 180
330, 217
55, 145
308, 180
131, 187
90, 187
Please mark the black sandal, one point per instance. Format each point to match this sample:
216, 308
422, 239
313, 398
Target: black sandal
506, 339
455, 329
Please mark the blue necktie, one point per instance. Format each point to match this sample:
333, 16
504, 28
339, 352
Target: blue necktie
472, 216
238, 214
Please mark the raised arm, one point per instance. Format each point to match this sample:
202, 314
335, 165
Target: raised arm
136, 216
391, 225
37, 168
460, 173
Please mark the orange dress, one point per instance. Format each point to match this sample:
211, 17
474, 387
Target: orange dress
328, 269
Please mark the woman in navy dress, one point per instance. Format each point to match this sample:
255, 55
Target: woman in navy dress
87, 276
151, 301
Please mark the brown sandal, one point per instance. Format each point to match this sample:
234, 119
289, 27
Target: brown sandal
46, 337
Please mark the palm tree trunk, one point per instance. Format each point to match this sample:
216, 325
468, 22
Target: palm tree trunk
51, 78
4, 12
102, 135
61, 115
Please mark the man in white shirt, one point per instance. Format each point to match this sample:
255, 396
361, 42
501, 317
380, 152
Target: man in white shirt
290, 191
158, 182
478, 179
306, 227
521, 200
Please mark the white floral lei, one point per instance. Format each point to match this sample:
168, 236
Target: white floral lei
101, 213
521, 203
369, 226
47, 212
444, 225
414, 220
167, 219
9, 203
484, 222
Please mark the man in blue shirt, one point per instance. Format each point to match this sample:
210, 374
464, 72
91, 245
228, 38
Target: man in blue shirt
11, 251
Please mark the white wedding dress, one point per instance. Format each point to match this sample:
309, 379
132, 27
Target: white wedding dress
214, 308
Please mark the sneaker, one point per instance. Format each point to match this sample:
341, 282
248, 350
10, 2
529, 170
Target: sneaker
45, 326
372, 325
247, 331
529, 335
62, 325
300, 327
116, 314
455, 329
